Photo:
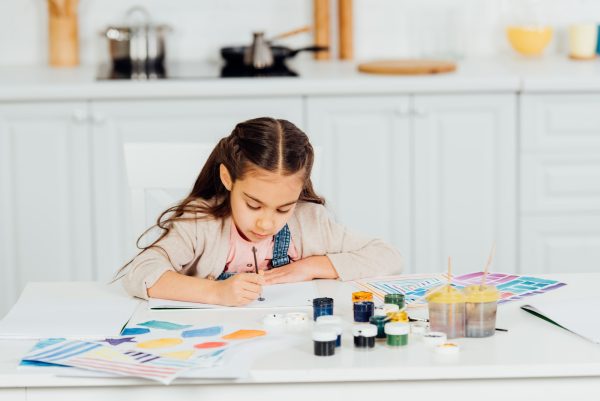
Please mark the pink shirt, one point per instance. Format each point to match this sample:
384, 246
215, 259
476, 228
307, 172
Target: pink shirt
241, 257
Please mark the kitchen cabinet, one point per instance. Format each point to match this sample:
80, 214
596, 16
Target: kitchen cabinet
560, 185
46, 197
363, 163
434, 175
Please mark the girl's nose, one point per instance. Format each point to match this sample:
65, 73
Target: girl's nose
264, 224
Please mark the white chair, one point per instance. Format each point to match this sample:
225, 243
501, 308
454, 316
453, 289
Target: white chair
159, 175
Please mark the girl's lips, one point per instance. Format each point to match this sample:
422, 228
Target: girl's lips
260, 235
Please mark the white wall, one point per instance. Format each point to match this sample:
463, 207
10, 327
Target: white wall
383, 28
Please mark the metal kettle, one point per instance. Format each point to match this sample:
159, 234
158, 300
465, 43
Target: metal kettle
259, 54
139, 46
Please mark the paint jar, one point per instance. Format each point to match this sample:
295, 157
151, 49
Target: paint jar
434, 338
296, 321
397, 334
396, 299
384, 309
481, 305
362, 296
274, 321
446, 307
322, 306
380, 322
324, 341
364, 335
363, 311
335, 323
418, 329
400, 316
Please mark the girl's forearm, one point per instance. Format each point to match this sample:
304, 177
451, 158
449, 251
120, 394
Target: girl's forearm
172, 285
322, 267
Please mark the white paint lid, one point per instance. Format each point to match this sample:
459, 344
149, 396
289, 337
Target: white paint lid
364, 330
396, 328
294, 318
385, 309
434, 338
329, 319
274, 319
335, 327
447, 349
324, 333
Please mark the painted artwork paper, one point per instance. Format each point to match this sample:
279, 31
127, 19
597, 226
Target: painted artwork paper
156, 350
414, 287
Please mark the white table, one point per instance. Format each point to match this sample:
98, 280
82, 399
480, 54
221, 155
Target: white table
533, 359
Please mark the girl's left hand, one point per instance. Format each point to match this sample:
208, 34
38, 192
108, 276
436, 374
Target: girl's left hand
302, 270
291, 273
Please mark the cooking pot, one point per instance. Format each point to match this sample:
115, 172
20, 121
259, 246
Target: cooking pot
234, 55
139, 46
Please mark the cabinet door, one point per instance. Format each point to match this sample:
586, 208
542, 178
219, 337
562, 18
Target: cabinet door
45, 196
363, 164
160, 146
465, 196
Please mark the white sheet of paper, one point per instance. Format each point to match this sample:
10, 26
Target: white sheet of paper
275, 296
84, 310
578, 315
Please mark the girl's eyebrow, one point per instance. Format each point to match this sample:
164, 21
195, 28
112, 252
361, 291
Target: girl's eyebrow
262, 203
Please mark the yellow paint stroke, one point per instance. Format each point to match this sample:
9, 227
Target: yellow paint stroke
160, 343
244, 334
108, 354
179, 354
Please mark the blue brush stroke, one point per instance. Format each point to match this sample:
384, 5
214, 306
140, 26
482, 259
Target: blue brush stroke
133, 331
206, 332
159, 324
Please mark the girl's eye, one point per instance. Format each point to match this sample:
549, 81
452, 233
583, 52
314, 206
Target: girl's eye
283, 211
252, 207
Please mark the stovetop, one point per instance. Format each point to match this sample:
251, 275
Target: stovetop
190, 71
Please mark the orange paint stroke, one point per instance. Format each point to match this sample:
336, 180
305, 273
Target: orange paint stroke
210, 344
244, 334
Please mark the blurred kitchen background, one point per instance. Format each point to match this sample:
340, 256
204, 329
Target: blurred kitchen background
496, 141
382, 28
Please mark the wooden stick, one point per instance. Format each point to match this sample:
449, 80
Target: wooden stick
346, 29
487, 266
306, 28
321, 12
449, 272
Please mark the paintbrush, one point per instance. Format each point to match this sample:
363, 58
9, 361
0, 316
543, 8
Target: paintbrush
260, 298
487, 266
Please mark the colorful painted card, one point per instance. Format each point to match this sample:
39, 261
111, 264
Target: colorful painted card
414, 287
157, 350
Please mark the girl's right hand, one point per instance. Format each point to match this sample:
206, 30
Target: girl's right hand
239, 289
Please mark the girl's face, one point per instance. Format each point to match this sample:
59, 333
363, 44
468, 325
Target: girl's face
262, 202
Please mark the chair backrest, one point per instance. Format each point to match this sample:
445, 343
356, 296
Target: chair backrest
159, 175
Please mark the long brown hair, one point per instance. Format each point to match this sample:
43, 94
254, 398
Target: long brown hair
267, 143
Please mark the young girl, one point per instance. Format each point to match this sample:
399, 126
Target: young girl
252, 219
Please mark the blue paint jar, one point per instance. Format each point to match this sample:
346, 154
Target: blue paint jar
363, 311
322, 306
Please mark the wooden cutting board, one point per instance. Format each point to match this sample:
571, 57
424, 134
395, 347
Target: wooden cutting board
407, 67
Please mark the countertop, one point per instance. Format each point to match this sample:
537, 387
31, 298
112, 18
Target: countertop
490, 75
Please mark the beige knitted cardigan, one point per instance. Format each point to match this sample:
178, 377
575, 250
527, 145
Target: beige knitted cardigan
200, 248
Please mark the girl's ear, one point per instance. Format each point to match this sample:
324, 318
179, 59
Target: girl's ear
225, 177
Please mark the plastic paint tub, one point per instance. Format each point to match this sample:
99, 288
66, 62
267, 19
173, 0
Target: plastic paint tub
380, 322
481, 307
447, 311
322, 306
385, 309
400, 316
364, 335
362, 296
336, 328
397, 334
324, 341
397, 299
363, 311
